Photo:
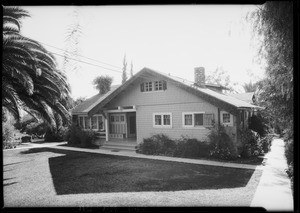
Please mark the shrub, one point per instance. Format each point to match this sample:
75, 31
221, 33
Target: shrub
251, 142
191, 147
289, 151
159, 144
77, 137
258, 124
8, 131
266, 142
26, 139
221, 145
55, 135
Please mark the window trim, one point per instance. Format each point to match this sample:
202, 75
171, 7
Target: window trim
96, 122
159, 82
83, 122
162, 120
193, 120
147, 85
119, 115
143, 86
90, 119
230, 117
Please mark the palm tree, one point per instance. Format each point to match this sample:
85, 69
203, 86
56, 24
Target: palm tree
250, 87
103, 83
30, 79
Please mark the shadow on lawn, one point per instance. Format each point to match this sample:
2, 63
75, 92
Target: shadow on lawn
78, 172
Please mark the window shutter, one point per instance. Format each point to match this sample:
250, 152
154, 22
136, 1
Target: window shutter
164, 85
208, 119
142, 87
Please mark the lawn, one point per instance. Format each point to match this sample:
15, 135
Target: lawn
51, 177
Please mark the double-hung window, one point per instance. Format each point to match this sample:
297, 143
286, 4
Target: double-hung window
226, 118
81, 123
196, 119
94, 123
162, 120
100, 122
87, 123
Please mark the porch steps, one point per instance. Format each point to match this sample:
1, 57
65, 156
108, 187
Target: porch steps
119, 146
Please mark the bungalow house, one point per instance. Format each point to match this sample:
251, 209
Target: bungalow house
152, 102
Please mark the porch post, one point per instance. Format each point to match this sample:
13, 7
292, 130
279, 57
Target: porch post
106, 127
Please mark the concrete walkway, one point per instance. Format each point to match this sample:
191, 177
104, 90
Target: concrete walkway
164, 158
58, 145
274, 189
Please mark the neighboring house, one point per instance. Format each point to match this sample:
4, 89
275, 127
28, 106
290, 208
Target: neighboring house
152, 102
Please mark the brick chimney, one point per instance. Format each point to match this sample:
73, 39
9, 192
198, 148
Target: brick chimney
200, 76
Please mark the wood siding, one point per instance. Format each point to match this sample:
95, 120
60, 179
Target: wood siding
173, 100
145, 121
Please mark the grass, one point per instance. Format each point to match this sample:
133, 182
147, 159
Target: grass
45, 173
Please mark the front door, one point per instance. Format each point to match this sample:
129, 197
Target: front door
131, 125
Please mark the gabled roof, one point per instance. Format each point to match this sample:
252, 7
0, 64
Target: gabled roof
247, 97
226, 98
85, 106
228, 103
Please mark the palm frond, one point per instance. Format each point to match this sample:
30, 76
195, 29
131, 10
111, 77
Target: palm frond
12, 21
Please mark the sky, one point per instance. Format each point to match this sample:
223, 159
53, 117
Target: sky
170, 39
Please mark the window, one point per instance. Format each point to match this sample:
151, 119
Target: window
197, 119
148, 86
167, 119
162, 120
153, 86
158, 85
188, 120
117, 118
87, 123
94, 122
100, 123
226, 118
157, 120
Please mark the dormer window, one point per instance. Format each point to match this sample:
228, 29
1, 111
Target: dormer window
158, 85
153, 86
148, 86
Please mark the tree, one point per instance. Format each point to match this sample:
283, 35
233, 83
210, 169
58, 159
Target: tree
73, 35
250, 87
131, 70
124, 74
78, 101
221, 77
273, 24
103, 83
30, 79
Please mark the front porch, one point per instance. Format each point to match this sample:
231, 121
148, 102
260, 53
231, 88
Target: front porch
120, 124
